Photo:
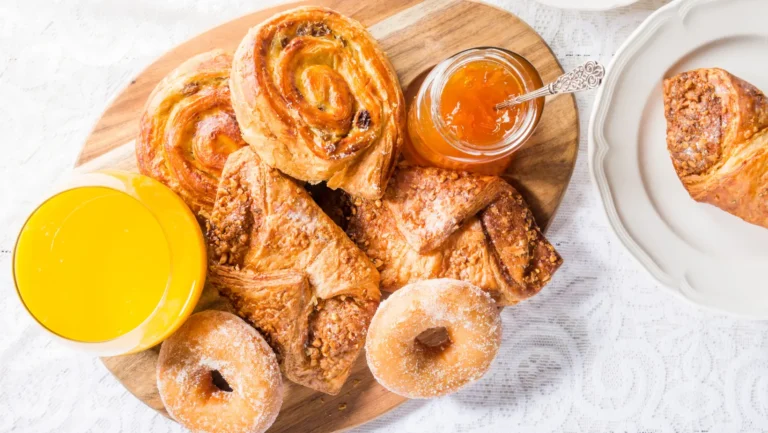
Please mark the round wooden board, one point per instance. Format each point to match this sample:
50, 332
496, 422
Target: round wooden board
415, 34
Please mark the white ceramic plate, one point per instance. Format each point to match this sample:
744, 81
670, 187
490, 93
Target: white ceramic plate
702, 253
587, 5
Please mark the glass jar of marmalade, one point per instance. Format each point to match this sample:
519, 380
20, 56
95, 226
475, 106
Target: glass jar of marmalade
452, 121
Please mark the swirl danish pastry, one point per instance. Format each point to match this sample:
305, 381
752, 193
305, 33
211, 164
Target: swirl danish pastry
188, 129
317, 99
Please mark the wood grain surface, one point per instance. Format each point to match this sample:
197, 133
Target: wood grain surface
416, 35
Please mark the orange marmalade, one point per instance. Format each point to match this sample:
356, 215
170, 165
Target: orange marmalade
452, 120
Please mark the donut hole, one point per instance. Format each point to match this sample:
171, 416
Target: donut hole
219, 382
434, 340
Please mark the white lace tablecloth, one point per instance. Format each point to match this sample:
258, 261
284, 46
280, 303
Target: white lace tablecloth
603, 348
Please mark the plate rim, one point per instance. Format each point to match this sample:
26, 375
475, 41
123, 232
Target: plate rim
598, 147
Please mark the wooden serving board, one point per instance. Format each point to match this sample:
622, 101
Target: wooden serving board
415, 34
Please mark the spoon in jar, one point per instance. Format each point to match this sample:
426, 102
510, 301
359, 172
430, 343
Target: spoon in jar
585, 77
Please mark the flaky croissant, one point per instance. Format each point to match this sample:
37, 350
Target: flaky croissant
188, 129
435, 223
291, 272
317, 99
717, 137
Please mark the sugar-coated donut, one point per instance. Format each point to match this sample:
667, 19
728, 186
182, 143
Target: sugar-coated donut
410, 368
216, 374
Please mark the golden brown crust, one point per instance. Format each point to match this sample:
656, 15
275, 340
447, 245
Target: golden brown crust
291, 272
188, 129
260, 298
525, 259
435, 223
716, 136
211, 344
317, 98
694, 138
417, 198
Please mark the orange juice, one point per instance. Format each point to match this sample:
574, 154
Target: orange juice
114, 264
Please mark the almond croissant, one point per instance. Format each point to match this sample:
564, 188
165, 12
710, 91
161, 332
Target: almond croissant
435, 223
291, 272
717, 137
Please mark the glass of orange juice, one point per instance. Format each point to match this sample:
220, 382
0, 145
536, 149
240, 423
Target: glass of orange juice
113, 263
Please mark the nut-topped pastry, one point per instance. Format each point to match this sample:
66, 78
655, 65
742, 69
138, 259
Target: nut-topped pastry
317, 99
290, 272
438, 223
717, 137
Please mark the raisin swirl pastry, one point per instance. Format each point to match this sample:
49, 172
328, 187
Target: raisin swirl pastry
317, 99
188, 129
290, 272
717, 137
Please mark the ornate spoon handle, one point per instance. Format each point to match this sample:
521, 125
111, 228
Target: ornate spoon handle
585, 77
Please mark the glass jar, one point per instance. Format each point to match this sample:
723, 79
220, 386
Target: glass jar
112, 263
435, 141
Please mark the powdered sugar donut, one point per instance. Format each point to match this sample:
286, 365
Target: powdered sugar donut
410, 368
216, 374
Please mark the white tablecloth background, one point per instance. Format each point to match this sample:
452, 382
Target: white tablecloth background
603, 348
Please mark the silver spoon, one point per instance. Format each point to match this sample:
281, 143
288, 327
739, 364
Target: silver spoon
586, 77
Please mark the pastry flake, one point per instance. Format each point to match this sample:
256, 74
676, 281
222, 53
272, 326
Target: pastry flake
436, 223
